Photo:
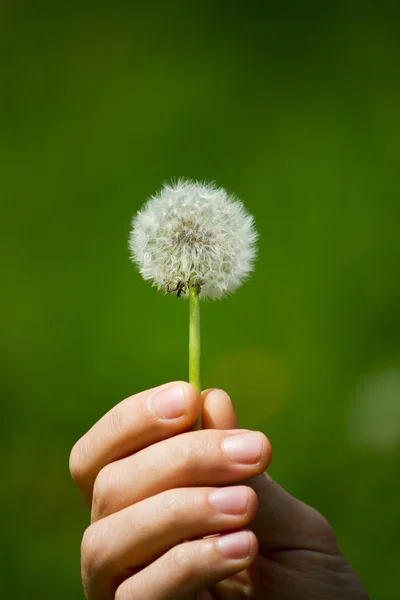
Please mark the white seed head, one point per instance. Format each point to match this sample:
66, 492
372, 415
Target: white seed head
194, 233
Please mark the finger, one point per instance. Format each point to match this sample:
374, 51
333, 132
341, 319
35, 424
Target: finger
191, 567
218, 412
133, 424
198, 458
139, 534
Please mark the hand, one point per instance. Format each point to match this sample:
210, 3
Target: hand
152, 484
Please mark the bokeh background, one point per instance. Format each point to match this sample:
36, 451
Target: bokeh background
296, 109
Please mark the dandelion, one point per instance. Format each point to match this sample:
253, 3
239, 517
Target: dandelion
194, 240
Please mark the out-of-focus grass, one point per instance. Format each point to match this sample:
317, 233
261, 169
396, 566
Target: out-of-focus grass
296, 113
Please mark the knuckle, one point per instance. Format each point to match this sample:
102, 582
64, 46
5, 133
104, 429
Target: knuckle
179, 504
182, 458
183, 561
193, 447
174, 506
76, 463
102, 491
118, 418
192, 560
92, 549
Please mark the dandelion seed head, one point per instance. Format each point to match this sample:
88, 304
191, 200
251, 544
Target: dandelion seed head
194, 233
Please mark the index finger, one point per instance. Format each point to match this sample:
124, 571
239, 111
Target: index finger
133, 424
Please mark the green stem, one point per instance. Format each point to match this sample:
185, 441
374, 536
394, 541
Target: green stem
194, 344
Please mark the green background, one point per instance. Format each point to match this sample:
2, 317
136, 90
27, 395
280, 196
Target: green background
295, 109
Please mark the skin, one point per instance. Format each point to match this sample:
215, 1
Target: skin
160, 524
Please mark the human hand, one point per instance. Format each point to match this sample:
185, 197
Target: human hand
150, 485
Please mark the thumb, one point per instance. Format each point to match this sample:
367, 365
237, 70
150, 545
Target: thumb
218, 412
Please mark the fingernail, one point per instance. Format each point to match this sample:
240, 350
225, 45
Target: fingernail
245, 448
218, 395
234, 545
231, 500
168, 403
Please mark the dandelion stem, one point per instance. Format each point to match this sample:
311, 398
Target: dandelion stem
194, 343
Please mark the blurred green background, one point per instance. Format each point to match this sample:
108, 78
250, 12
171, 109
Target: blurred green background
295, 109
